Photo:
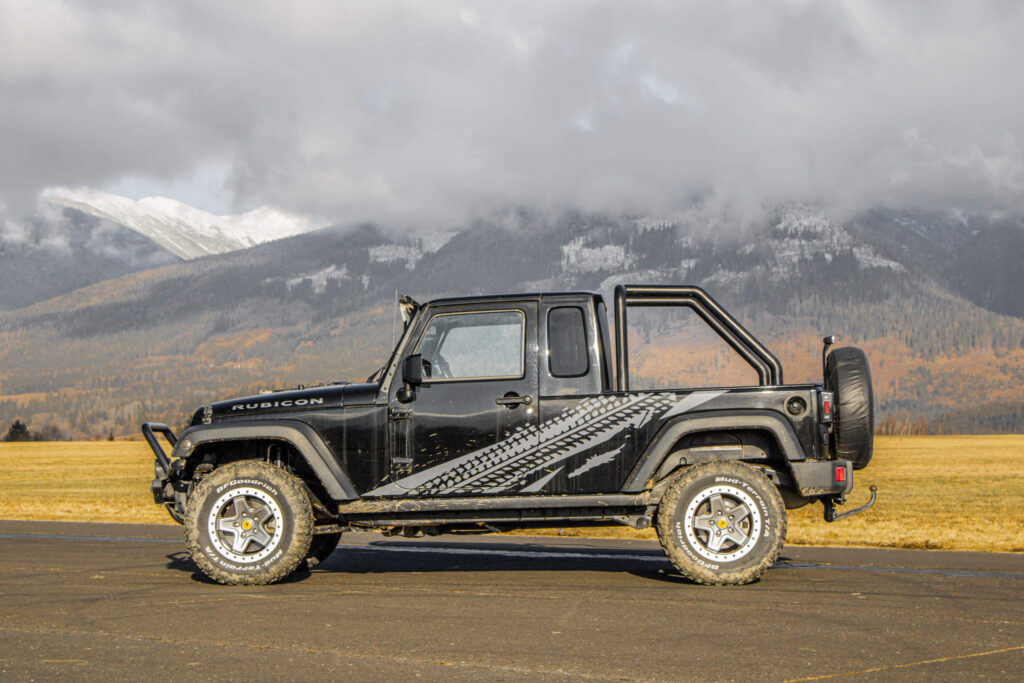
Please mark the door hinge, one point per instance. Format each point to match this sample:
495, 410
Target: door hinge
401, 461
397, 415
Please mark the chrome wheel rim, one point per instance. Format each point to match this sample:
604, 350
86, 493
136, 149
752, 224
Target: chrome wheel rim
245, 525
722, 523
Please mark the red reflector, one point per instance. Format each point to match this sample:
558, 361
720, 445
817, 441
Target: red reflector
840, 474
828, 408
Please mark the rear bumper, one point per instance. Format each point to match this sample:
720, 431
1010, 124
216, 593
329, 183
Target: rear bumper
823, 478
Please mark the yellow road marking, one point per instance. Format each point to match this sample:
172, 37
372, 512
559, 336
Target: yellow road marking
904, 666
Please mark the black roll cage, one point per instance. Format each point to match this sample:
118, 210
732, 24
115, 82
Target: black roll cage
767, 366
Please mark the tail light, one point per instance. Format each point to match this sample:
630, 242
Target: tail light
826, 405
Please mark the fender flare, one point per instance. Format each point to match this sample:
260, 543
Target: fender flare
672, 431
299, 435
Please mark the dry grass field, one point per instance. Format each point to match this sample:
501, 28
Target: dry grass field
81, 481
941, 492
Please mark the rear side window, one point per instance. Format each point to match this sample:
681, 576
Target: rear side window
567, 342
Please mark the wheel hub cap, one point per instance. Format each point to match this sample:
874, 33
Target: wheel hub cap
722, 523
245, 525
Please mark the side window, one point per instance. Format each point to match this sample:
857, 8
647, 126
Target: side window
474, 345
567, 342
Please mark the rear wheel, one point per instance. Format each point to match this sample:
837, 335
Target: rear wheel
722, 523
248, 522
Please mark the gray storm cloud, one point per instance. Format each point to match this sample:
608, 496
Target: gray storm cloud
424, 113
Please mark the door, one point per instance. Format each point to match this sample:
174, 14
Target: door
475, 414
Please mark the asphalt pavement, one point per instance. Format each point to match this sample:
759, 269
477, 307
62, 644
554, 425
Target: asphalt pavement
125, 602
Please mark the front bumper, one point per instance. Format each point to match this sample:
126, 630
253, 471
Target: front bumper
162, 487
149, 431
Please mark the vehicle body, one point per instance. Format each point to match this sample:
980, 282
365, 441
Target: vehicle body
504, 412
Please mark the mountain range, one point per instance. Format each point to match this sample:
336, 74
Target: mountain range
931, 296
183, 230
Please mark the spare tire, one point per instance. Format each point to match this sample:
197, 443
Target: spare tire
848, 376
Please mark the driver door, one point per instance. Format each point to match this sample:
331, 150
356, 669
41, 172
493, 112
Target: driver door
468, 419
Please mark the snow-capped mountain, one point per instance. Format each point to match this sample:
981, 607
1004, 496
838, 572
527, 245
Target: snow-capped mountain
184, 230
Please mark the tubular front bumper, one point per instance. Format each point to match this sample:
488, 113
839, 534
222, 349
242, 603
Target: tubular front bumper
163, 462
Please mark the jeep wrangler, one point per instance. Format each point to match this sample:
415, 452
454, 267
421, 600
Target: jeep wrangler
505, 412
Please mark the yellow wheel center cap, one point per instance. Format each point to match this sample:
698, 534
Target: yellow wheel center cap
246, 525
722, 524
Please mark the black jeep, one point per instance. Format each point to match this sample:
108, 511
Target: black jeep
504, 412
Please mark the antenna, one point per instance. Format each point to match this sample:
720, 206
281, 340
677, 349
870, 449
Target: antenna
394, 321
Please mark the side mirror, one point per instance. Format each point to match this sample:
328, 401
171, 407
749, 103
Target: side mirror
414, 370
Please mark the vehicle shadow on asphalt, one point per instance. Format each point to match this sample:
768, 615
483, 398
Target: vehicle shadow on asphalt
412, 558
181, 561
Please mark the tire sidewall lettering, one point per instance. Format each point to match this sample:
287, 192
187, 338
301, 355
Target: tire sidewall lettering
247, 482
702, 484
209, 549
765, 533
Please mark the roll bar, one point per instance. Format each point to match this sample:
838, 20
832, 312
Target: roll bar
767, 366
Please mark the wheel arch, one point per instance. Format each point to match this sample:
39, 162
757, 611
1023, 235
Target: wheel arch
304, 442
669, 450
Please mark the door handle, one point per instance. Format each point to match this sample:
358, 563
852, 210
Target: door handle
512, 400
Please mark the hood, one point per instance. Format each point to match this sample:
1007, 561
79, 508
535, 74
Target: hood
330, 396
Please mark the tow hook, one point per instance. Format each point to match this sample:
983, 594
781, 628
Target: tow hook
830, 508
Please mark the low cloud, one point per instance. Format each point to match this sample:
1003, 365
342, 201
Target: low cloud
426, 114
61, 232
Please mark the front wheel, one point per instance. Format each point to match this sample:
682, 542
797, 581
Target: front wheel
248, 522
722, 523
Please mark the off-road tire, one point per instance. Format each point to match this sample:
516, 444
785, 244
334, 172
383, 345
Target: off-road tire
848, 375
321, 548
267, 501
689, 505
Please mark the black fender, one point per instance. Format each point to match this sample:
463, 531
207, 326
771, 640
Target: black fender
658, 449
299, 435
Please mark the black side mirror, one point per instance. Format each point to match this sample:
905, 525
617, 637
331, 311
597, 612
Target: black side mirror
414, 368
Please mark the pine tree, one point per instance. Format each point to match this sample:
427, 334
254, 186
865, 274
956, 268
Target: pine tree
17, 432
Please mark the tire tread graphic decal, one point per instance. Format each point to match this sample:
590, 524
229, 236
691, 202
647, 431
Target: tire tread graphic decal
595, 461
507, 465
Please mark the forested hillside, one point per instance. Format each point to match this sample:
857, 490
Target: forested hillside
946, 350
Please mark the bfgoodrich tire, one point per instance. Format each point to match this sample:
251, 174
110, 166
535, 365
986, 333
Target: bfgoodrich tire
853, 433
722, 523
248, 522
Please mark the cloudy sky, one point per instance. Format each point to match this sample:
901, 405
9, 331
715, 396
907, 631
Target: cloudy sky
422, 113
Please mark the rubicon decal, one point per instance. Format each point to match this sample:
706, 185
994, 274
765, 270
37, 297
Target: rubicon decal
287, 403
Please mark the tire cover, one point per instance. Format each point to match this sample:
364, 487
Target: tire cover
848, 376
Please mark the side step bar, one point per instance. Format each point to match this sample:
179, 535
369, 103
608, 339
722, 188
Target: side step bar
392, 505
